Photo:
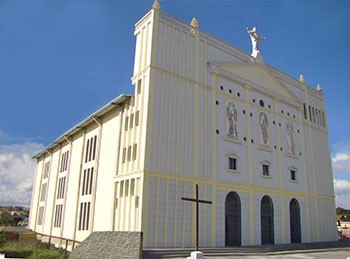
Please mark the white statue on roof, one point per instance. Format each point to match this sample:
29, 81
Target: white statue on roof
254, 36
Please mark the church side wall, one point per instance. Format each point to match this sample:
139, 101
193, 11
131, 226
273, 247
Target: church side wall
50, 196
58, 202
76, 184
73, 183
105, 187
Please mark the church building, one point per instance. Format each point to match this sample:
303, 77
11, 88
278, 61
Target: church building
253, 138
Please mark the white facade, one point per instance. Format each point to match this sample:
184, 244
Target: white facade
198, 102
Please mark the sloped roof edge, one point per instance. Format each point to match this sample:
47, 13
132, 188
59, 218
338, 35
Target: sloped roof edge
115, 102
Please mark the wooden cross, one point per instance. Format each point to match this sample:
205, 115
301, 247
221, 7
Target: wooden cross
197, 201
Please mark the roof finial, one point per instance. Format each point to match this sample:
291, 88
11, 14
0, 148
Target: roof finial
194, 23
319, 88
301, 79
156, 5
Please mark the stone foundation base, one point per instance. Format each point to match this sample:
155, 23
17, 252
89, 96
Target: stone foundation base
110, 245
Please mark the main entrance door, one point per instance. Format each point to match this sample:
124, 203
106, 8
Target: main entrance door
232, 220
295, 228
267, 228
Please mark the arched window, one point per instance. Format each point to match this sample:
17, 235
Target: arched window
232, 220
267, 221
295, 227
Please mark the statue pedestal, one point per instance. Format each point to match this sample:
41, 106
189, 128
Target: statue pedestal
196, 255
258, 57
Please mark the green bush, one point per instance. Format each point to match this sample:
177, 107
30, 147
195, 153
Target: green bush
2, 239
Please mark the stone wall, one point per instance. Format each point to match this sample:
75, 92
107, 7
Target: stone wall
108, 245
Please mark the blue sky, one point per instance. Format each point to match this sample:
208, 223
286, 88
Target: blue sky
60, 60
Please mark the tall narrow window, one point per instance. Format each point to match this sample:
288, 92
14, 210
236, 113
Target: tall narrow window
131, 121
124, 155
126, 122
61, 187
46, 170
91, 180
81, 215
90, 152
91, 147
64, 161
319, 118
67, 156
132, 187
305, 112
310, 116
121, 189
137, 117
43, 192
88, 178
87, 150
84, 216
94, 150
139, 83
127, 188
134, 152
40, 215
323, 119
129, 153
58, 216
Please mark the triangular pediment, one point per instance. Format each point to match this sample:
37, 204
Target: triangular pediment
258, 76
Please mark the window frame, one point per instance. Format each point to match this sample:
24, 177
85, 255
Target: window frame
293, 171
265, 165
235, 158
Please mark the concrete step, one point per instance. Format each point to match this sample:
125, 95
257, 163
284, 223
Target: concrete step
244, 250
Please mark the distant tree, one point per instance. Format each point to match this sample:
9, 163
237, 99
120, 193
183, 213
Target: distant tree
4, 219
342, 211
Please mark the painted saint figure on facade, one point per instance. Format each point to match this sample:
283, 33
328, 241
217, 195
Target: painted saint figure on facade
290, 138
263, 123
231, 121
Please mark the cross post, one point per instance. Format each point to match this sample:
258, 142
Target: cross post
197, 201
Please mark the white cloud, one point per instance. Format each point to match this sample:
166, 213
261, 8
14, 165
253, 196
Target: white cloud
342, 193
17, 170
341, 162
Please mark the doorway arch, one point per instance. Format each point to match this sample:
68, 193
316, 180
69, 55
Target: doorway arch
232, 220
267, 221
295, 226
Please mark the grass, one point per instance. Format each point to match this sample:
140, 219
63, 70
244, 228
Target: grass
30, 248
